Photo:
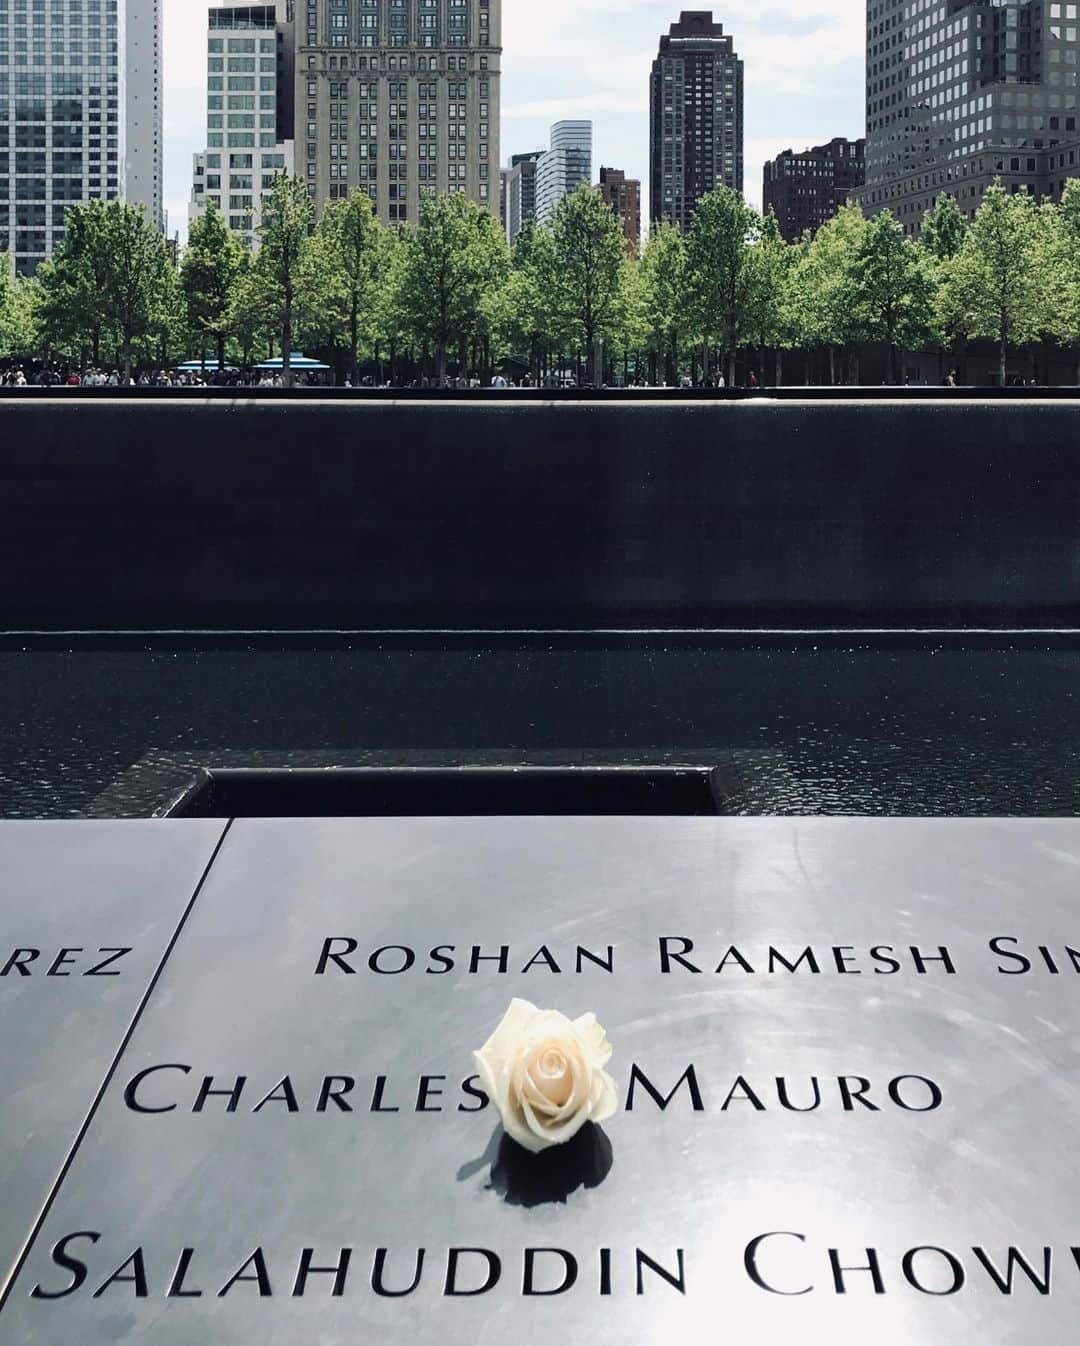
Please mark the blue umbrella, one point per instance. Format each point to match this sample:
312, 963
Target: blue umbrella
296, 361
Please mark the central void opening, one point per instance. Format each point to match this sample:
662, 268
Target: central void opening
452, 792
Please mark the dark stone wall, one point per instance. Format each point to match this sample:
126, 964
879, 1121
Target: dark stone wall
136, 513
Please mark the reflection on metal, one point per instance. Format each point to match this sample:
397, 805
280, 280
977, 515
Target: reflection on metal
86, 916
846, 1051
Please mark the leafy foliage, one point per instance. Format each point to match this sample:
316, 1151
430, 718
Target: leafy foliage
450, 258
447, 286
995, 286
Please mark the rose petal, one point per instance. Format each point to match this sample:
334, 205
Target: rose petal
507, 1037
605, 1097
487, 1075
568, 1129
594, 1038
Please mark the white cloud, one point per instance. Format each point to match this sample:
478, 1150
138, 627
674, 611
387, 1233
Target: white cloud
591, 58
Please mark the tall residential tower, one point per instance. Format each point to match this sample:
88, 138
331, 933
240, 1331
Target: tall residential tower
80, 115
696, 121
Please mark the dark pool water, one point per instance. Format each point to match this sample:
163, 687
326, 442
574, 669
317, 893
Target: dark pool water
914, 726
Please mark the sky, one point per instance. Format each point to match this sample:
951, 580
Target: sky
591, 59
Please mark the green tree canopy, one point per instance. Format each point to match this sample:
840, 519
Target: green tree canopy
588, 257
826, 283
723, 283
287, 217
944, 228
1064, 258
450, 258
213, 260
350, 263
663, 267
773, 324
109, 279
75, 318
893, 288
995, 286
517, 311
254, 315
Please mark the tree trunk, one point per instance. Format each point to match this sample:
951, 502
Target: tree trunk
779, 367
832, 365
286, 343
1003, 355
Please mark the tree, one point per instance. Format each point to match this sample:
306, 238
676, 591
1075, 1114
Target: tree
995, 284
1066, 266
7, 303
723, 284
663, 267
893, 289
137, 284
517, 311
213, 260
253, 315
108, 278
588, 253
450, 257
74, 316
825, 286
19, 297
351, 256
771, 317
287, 218
167, 333
943, 228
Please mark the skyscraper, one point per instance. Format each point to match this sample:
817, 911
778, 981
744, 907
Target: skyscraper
623, 197
520, 192
80, 115
398, 97
142, 128
696, 121
563, 167
804, 190
960, 92
249, 119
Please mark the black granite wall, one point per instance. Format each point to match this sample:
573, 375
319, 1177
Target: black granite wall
306, 514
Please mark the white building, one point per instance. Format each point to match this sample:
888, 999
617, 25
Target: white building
142, 131
80, 115
249, 136
563, 167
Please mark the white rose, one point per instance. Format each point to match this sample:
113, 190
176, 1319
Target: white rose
545, 1075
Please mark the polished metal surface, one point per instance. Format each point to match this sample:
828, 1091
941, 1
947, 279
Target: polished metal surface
182, 1199
75, 897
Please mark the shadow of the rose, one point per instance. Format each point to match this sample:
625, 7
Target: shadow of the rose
548, 1178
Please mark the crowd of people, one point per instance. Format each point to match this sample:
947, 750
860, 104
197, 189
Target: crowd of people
52, 376
49, 376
